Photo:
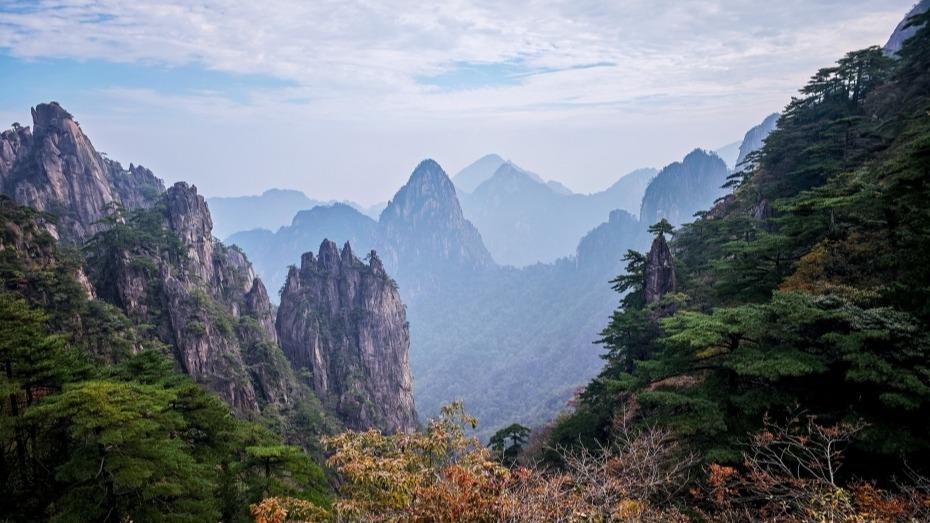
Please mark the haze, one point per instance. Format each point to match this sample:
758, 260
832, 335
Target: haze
342, 99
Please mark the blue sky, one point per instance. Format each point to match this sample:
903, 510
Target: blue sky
341, 99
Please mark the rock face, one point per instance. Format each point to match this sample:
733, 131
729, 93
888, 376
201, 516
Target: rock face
683, 188
423, 232
660, 271
902, 32
202, 297
755, 137
344, 322
55, 168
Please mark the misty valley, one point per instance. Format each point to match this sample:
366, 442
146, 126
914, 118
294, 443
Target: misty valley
739, 335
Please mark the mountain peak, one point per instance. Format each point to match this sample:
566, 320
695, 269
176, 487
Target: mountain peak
476, 173
424, 227
428, 169
49, 116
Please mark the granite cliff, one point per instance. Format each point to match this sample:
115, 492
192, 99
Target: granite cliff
54, 167
343, 321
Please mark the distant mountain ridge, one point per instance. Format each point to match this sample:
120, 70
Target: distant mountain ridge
270, 210
478, 328
755, 137
684, 188
525, 221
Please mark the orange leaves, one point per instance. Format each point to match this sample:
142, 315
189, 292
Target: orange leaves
287, 510
719, 480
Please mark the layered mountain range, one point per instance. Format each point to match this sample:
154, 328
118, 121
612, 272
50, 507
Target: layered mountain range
479, 327
152, 254
525, 221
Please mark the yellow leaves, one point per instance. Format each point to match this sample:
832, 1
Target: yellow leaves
629, 510
287, 510
440, 474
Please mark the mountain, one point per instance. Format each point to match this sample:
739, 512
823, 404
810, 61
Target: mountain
269, 210
475, 173
626, 193
54, 167
729, 153
152, 257
524, 221
755, 137
272, 252
684, 188
600, 250
423, 233
194, 292
903, 32
343, 321
559, 188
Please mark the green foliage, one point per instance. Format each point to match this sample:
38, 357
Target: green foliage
662, 227
507, 443
807, 288
97, 423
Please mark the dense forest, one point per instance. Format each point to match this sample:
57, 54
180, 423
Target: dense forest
769, 361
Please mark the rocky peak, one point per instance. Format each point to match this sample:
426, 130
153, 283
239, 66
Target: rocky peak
375, 263
189, 218
428, 191
55, 168
660, 271
346, 254
329, 260
423, 230
684, 188
344, 322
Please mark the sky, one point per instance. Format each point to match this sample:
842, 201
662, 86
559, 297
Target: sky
342, 98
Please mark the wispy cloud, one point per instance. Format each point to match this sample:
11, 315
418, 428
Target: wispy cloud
576, 89
482, 55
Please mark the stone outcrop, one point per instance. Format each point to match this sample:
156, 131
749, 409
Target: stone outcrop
904, 30
343, 321
55, 168
202, 296
660, 271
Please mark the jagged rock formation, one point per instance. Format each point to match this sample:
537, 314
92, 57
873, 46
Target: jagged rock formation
55, 168
272, 252
343, 320
423, 233
659, 271
684, 188
202, 297
903, 32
